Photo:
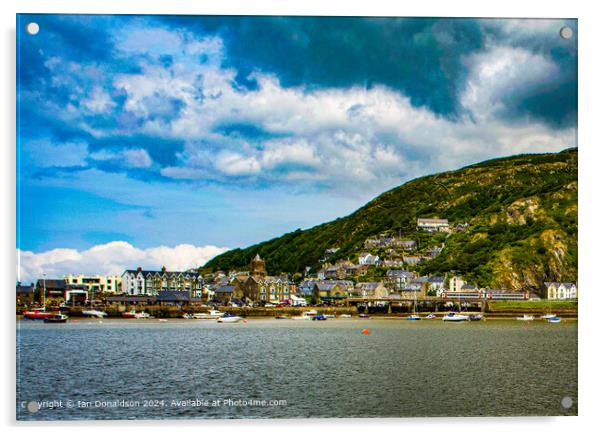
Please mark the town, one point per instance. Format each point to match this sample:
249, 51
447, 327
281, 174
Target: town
340, 283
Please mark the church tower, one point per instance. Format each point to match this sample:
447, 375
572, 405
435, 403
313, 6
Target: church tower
257, 267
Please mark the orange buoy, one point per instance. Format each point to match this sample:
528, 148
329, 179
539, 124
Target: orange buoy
366, 332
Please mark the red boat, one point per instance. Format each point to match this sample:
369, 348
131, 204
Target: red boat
37, 314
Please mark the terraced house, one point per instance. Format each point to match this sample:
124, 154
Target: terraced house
151, 282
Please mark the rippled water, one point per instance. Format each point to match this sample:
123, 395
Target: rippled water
321, 369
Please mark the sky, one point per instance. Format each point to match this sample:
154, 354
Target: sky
166, 140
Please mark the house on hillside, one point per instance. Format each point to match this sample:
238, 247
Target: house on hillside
560, 290
368, 259
432, 225
371, 290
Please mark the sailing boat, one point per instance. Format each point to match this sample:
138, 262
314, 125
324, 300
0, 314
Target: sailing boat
39, 313
414, 316
92, 312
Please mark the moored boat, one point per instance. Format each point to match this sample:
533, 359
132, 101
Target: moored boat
431, 316
364, 316
330, 316
56, 318
525, 318
212, 314
414, 317
37, 314
548, 316
307, 315
475, 317
282, 317
229, 319
554, 319
319, 317
453, 317
94, 313
345, 316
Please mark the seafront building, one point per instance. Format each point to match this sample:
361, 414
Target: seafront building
151, 282
95, 283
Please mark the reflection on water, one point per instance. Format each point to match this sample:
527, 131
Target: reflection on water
177, 369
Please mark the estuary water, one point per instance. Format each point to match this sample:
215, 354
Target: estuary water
147, 369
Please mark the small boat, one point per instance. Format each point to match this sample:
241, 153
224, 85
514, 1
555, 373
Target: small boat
548, 316
525, 318
431, 316
554, 319
364, 316
453, 317
345, 316
229, 319
94, 313
414, 317
307, 315
475, 317
56, 318
187, 316
37, 314
330, 316
134, 315
282, 317
162, 320
212, 314
319, 317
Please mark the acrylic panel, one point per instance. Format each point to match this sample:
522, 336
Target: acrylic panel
295, 217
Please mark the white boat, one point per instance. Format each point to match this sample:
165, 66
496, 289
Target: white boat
453, 317
307, 315
548, 316
413, 317
229, 319
554, 319
212, 314
525, 318
345, 316
94, 313
330, 316
431, 316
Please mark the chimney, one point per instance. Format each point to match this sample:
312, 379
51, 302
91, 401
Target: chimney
139, 269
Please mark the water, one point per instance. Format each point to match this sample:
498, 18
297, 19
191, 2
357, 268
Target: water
320, 369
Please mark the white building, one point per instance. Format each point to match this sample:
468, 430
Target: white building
560, 290
368, 259
456, 283
95, 283
151, 282
432, 225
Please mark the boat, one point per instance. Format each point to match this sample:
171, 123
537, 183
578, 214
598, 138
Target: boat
453, 317
56, 318
414, 317
134, 315
319, 317
282, 317
431, 316
94, 313
548, 316
212, 314
37, 314
307, 315
554, 319
345, 316
330, 316
229, 319
364, 316
475, 317
525, 318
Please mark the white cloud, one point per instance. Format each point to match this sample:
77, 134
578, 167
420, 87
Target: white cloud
98, 101
110, 258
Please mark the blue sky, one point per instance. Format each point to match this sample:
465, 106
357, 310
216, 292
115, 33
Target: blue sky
215, 132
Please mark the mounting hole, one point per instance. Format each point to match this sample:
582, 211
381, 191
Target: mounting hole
32, 28
566, 32
566, 402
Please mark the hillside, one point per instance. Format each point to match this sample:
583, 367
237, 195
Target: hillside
521, 213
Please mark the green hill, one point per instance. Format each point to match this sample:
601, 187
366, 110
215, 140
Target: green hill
521, 213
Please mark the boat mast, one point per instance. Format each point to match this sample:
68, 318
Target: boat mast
44, 294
